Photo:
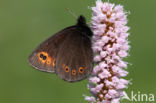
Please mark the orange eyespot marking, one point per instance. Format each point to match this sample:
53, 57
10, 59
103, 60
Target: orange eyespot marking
67, 69
63, 65
42, 56
81, 69
73, 72
54, 62
49, 60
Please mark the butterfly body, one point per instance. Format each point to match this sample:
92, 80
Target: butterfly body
68, 53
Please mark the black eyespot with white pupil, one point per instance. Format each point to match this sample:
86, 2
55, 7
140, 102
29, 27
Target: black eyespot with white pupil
81, 69
67, 69
43, 57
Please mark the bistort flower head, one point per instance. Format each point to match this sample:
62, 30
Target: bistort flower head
110, 46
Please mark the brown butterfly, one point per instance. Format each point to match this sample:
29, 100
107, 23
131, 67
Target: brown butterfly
68, 53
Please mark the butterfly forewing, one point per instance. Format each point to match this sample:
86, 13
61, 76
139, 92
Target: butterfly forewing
44, 56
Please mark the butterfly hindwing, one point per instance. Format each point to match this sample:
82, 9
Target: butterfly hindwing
44, 56
74, 59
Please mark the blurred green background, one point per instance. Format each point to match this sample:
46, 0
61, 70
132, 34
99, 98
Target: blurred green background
26, 23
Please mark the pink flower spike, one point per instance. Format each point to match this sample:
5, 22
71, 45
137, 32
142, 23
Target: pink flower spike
103, 54
97, 58
104, 74
122, 53
96, 70
124, 81
102, 65
90, 99
110, 46
99, 87
94, 79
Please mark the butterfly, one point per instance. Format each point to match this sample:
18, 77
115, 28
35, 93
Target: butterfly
68, 53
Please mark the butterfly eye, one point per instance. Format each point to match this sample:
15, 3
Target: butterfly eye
67, 69
73, 72
81, 70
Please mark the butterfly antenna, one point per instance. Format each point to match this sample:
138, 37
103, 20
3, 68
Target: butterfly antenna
72, 13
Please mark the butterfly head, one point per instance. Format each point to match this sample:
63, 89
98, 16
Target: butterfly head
81, 21
82, 25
